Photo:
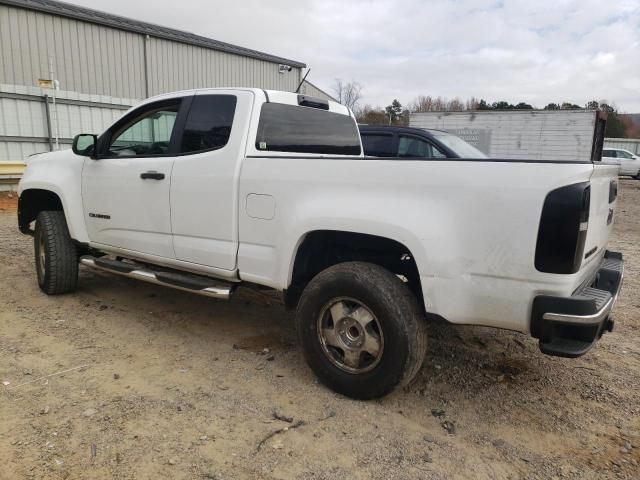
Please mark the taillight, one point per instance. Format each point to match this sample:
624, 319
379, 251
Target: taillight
563, 229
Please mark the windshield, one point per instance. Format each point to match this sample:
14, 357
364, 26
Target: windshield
459, 146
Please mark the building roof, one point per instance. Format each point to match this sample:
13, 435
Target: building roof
101, 18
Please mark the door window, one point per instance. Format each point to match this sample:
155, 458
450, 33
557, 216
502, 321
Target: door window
609, 153
147, 133
208, 125
378, 145
621, 154
414, 147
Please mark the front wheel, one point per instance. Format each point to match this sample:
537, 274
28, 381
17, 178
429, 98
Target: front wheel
361, 329
56, 255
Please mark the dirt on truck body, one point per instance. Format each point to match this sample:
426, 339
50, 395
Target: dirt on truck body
128, 380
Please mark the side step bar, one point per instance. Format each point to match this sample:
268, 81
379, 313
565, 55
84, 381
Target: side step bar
189, 283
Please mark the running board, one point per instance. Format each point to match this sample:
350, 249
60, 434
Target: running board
190, 283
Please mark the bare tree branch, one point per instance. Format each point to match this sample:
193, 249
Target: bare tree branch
347, 93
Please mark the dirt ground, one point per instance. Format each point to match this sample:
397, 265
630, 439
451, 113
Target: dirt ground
158, 383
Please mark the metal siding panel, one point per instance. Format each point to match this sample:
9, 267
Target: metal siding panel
6, 70
70, 56
106, 61
87, 58
43, 47
16, 55
310, 89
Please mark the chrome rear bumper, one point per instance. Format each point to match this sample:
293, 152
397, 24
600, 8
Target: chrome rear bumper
570, 326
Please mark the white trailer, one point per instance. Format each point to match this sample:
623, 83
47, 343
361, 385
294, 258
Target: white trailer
524, 134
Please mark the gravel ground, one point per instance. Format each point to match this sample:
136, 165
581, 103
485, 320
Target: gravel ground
158, 383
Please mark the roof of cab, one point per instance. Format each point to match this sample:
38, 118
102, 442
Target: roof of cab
270, 96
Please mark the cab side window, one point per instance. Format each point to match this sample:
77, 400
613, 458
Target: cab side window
147, 133
209, 122
414, 147
609, 153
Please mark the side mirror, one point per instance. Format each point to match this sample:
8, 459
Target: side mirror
85, 144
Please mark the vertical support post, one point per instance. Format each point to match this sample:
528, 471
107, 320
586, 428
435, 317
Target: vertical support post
55, 107
48, 117
147, 79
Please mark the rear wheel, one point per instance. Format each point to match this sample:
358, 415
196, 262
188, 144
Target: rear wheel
361, 329
56, 255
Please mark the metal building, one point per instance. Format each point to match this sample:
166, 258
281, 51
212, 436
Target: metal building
103, 65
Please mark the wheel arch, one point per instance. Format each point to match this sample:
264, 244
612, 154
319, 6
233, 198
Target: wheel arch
319, 249
33, 201
36, 199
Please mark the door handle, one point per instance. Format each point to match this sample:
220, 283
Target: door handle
152, 176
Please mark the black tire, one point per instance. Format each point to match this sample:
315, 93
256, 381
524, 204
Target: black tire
395, 311
56, 254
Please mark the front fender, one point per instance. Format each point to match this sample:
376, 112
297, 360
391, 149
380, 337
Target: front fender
60, 173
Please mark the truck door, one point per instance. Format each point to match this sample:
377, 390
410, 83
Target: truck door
125, 192
204, 182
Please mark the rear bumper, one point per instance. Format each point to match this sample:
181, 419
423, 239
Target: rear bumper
570, 326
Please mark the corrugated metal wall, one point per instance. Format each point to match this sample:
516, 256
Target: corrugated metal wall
106, 61
87, 58
309, 88
23, 121
522, 135
103, 65
177, 66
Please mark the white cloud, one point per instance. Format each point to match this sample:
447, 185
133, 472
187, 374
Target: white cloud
538, 52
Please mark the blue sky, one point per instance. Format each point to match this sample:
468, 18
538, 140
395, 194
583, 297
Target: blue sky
534, 51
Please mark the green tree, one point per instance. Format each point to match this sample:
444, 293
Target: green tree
483, 105
394, 111
523, 106
552, 106
502, 105
615, 127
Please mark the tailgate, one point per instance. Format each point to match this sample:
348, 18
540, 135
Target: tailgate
604, 188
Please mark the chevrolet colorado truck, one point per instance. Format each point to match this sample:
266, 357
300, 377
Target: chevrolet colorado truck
205, 190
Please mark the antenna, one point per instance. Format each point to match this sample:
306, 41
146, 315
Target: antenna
302, 81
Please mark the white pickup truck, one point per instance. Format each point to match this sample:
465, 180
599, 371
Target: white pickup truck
204, 190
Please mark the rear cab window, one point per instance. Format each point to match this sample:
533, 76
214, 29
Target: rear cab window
306, 130
208, 123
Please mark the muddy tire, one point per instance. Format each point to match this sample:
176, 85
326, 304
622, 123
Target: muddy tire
361, 329
56, 255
